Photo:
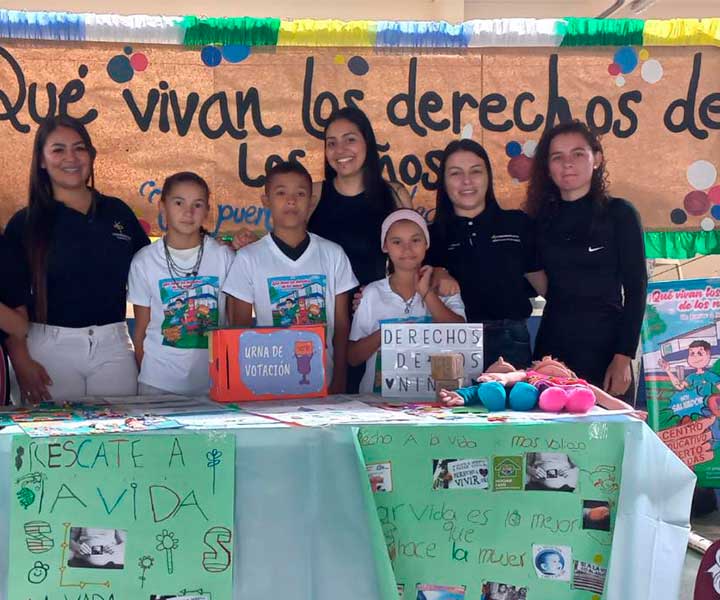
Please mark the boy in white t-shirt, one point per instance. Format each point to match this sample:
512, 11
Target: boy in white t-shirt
174, 285
292, 277
405, 295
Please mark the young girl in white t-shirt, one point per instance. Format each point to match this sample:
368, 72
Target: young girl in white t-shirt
404, 295
175, 285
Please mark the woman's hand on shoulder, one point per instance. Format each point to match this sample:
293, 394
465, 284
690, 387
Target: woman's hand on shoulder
443, 283
243, 238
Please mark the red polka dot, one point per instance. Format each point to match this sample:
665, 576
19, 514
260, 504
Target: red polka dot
614, 69
696, 203
714, 194
139, 61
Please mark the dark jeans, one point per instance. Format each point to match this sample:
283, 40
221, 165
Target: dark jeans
508, 338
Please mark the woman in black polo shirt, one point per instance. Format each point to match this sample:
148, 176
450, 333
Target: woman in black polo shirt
591, 245
491, 252
78, 244
354, 199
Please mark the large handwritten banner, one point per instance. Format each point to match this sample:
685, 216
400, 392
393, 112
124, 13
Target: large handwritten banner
478, 512
139, 517
156, 110
681, 348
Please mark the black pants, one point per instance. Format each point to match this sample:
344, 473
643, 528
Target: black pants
584, 341
507, 338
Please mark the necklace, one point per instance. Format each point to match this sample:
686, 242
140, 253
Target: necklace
175, 271
408, 303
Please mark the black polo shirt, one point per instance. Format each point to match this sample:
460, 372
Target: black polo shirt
14, 280
88, 261
489, 256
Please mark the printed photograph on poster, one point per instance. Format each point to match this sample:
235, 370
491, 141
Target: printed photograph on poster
401, 591
463, 473
440, 592
492, 590
681, 358
596, 515
552, 562
550, 471
507, 473
92, 548
589, 577
380, 476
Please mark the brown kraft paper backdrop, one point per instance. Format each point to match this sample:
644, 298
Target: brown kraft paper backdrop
233, 117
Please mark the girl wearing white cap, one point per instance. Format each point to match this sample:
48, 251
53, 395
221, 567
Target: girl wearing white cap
404, 295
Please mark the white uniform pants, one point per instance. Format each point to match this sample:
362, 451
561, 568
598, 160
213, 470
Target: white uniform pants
85, 361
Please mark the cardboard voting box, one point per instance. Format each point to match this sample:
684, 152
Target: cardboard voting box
268, 363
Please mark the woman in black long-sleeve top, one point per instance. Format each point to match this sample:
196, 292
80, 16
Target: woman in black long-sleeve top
591, 247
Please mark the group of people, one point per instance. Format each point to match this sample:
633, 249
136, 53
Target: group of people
348, 252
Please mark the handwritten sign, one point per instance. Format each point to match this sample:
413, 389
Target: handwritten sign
406, 350
122, 517
239, 118
458, 519
268, 363
681, 352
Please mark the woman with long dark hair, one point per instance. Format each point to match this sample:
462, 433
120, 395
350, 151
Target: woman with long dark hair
591, 246
491, 252
78, 244
354, 199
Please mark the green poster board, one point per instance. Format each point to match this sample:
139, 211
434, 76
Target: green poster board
497, 511
122, 517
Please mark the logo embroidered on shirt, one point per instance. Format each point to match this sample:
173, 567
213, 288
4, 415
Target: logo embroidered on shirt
118, 226
591, 249
509, 237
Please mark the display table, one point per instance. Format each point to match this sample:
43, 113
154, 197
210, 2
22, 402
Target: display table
308, 526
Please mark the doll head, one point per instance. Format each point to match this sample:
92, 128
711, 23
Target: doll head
549, 366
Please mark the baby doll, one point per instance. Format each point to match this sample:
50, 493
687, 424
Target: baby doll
549, 384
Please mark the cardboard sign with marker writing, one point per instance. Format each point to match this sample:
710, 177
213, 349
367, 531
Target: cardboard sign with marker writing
268, 363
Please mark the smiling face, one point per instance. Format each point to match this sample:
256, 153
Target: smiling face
572, 163
345, 148
406, 245
66, 159
698, 357
466, 182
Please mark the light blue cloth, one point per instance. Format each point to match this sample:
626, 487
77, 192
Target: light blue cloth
304, 517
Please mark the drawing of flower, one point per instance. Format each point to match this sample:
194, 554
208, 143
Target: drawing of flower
167, 542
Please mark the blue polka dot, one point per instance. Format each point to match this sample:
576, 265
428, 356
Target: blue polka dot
627, 58
678, 216
358, 65
211, 56
127, 50
235, 53
513, 149
120, 69
715, 211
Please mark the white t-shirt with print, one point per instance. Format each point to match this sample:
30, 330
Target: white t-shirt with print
379, 303
181, 311
288, 292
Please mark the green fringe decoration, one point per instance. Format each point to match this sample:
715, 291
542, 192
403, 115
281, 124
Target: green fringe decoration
244, 31
681, 244
603, 32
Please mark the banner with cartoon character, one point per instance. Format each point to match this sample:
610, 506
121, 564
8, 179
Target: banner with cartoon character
497, 512
132, 517
681, 348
